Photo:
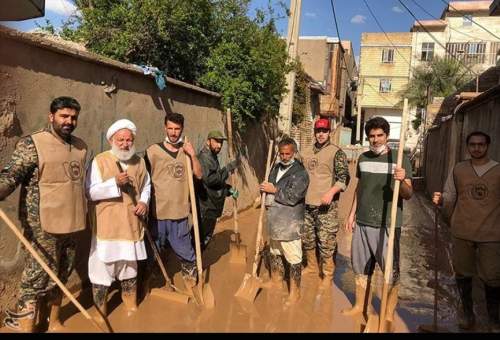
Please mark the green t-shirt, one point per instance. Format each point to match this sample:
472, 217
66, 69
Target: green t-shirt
375, 188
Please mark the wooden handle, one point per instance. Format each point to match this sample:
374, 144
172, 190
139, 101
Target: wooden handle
49, 271
262, 210
232, 177
194, 212
394, 209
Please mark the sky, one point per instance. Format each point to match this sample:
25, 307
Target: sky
316, 19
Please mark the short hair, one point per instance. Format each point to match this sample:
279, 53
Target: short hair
64, 103
377, 123
175, 117
287, 141
478, 133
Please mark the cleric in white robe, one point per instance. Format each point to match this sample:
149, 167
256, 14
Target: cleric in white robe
118, 189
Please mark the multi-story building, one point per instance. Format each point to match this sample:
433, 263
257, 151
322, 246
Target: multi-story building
332, 65
384, 70
461, 33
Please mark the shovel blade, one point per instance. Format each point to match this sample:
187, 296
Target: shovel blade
170, 295
249, 288
208, 296
238, 253
372, 324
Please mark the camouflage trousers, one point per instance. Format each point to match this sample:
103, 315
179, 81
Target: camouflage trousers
320, 229
58, 251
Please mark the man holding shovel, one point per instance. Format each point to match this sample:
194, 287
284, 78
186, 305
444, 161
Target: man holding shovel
472, 195
286, 190
328, 171
50, 166
118, 185
213, 189
170, 205
369, 219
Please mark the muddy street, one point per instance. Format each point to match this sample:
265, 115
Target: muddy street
315, 312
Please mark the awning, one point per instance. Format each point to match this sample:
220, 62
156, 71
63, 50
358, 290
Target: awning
14, 10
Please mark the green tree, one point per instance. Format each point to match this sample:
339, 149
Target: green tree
440, 77
213, 43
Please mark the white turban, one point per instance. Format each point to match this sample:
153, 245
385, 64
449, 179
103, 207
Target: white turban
118, 125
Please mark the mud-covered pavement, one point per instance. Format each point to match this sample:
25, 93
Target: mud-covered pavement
314, 312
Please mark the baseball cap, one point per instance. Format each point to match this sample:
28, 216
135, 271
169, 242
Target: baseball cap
216, 134
322, 123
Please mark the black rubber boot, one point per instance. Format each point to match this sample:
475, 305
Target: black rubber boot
466, 318
493, 305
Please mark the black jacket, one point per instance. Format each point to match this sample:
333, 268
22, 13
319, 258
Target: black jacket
212, 189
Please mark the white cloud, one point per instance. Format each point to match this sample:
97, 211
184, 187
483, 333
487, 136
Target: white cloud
311, 14
61, 7
397, 9
358, 19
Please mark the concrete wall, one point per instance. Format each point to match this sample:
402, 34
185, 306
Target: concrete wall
33, 71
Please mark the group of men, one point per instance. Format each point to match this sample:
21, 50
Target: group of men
122, 193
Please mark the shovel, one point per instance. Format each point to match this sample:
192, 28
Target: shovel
238, 251
205, 293
251, 282
169, 291
376, 323
53, 276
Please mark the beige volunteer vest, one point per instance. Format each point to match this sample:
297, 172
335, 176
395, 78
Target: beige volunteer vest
476, 216
115, 218
319, 166
61, 171
170, 199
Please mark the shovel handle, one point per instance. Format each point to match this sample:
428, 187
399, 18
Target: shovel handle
394, 209
194, 212
230, 148
49, 271
262, 210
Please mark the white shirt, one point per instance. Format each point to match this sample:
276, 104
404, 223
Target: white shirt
97, 189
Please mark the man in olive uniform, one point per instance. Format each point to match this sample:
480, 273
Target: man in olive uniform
49, 165
213, 189
328, 172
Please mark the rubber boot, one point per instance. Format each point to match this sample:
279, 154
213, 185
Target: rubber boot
466, 318
189, 275
129, 294
55, 323
363, 298
295, 277
277, 272
24, 320
328, 268
392, 302
492, 306
312, 263
100, 296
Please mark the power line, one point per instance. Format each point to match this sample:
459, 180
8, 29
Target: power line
434, 17
385, 33
472, 20
434, 38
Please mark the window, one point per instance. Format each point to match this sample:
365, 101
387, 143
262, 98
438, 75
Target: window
385, 85
470, 53
467, 20
388, 55
427, 52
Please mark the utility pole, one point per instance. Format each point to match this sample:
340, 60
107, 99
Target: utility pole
286, 105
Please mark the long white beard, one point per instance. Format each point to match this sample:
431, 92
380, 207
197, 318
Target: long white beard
123, 155
378, 149
179, 141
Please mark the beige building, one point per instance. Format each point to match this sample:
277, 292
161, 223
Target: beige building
323, 59
384, 70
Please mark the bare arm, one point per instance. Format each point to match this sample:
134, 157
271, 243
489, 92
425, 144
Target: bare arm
351, 219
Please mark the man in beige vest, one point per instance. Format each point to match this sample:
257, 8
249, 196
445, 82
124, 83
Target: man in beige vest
328, 172
49, 165
472, 194
118, 185
170, 206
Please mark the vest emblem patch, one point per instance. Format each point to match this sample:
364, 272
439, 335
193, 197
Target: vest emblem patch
73, 170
